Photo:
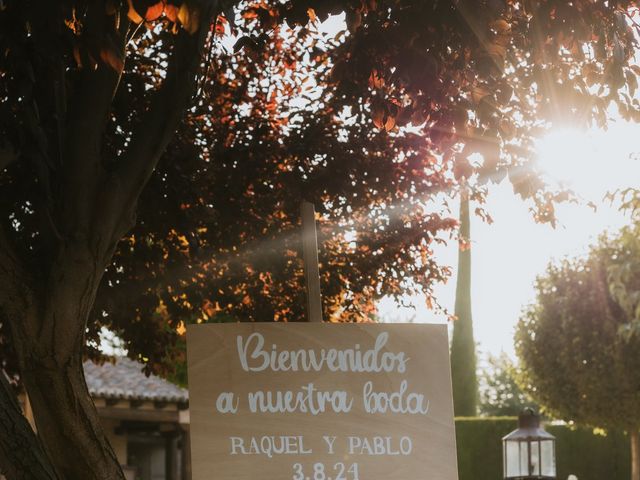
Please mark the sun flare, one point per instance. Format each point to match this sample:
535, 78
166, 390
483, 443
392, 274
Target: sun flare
591, 162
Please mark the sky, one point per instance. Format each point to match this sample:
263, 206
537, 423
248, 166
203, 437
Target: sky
508, 254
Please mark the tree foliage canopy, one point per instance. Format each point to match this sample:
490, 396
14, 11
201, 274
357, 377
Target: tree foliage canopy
577, 361
624, 272
500, 392
370, 122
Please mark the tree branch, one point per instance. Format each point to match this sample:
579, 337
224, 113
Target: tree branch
7, 156
13, 275
16, 290
21, 455
87, 117
155, 130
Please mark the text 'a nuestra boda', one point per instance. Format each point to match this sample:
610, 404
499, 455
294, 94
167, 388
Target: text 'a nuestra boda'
255, 357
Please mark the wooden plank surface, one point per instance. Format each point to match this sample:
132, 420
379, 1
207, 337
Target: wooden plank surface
394, 379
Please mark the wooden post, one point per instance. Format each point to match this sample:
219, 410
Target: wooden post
186, 455
635, 453
172, 471
310, 256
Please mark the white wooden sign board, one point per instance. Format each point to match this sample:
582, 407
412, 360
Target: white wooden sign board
314, 401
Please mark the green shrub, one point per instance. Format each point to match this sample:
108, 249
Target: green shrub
479, 442
590, 456
578, 451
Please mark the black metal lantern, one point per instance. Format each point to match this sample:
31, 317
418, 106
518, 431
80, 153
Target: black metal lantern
529, 452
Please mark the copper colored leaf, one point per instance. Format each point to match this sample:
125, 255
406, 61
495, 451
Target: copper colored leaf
250, 14
183, 14
501, 26
495, 50
133, 15
73, 23
632, 83
312, 15
112, 59
189, 17
389, 123
462, 168
490, 150
290, 63
171, 12
154, 12
375, 80
429, 302
220, 25
478, 93
378, 115
507, 128
504, 93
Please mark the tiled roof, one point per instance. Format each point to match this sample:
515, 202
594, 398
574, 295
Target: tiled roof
125, 380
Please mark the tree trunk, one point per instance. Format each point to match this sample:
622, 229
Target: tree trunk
68, 421
49, 341
21, 455
634, 435
47, 299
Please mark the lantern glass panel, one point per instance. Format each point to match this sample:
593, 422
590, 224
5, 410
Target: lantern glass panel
534, 467
548, 458
513, 452
524, 458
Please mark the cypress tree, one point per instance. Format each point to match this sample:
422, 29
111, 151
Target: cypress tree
463, 349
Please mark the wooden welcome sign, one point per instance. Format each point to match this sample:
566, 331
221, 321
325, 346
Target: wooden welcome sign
320, 402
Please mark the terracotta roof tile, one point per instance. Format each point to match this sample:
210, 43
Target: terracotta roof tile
125, 380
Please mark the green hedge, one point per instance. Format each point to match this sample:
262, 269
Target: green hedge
590, 456
579, 451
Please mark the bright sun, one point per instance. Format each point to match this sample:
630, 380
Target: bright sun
591, 162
